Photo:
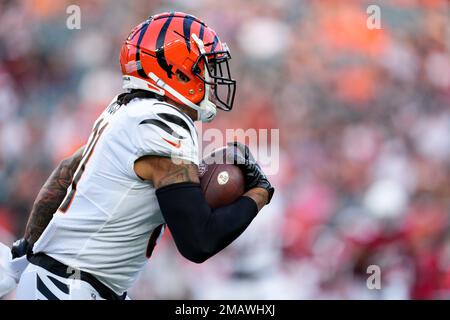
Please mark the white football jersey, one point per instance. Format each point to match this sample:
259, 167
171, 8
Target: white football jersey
110, 219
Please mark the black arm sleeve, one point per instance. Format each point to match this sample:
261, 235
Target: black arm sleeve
199, 231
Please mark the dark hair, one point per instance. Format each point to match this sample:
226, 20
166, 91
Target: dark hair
126, 97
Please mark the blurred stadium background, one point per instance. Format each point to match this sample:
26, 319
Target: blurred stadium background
364, 123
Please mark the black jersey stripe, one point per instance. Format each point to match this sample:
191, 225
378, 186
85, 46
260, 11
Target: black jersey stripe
178, 111
176, 120
153, 238
162, 126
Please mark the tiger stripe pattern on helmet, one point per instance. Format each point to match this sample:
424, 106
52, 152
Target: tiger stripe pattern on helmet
164, 46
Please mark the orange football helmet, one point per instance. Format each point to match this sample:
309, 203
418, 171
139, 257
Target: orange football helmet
179, 56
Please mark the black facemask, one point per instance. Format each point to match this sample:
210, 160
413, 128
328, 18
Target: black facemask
222, 85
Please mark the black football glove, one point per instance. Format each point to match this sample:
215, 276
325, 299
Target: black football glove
20, 248
254, 176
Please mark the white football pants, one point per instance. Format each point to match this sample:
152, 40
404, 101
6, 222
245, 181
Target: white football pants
37, 283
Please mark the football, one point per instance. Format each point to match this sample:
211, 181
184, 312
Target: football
221, 184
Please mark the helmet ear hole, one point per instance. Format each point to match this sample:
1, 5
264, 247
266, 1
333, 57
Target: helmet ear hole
182, 77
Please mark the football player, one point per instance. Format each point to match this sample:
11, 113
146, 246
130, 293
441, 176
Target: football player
96, 220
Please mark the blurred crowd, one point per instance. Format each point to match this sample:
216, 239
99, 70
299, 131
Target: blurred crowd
364, 120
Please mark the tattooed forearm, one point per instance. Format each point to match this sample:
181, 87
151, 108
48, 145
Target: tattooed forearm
259, 195
163, 171
50, 197
183, 174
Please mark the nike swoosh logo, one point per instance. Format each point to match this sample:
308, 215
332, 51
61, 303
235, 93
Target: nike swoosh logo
176, 145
